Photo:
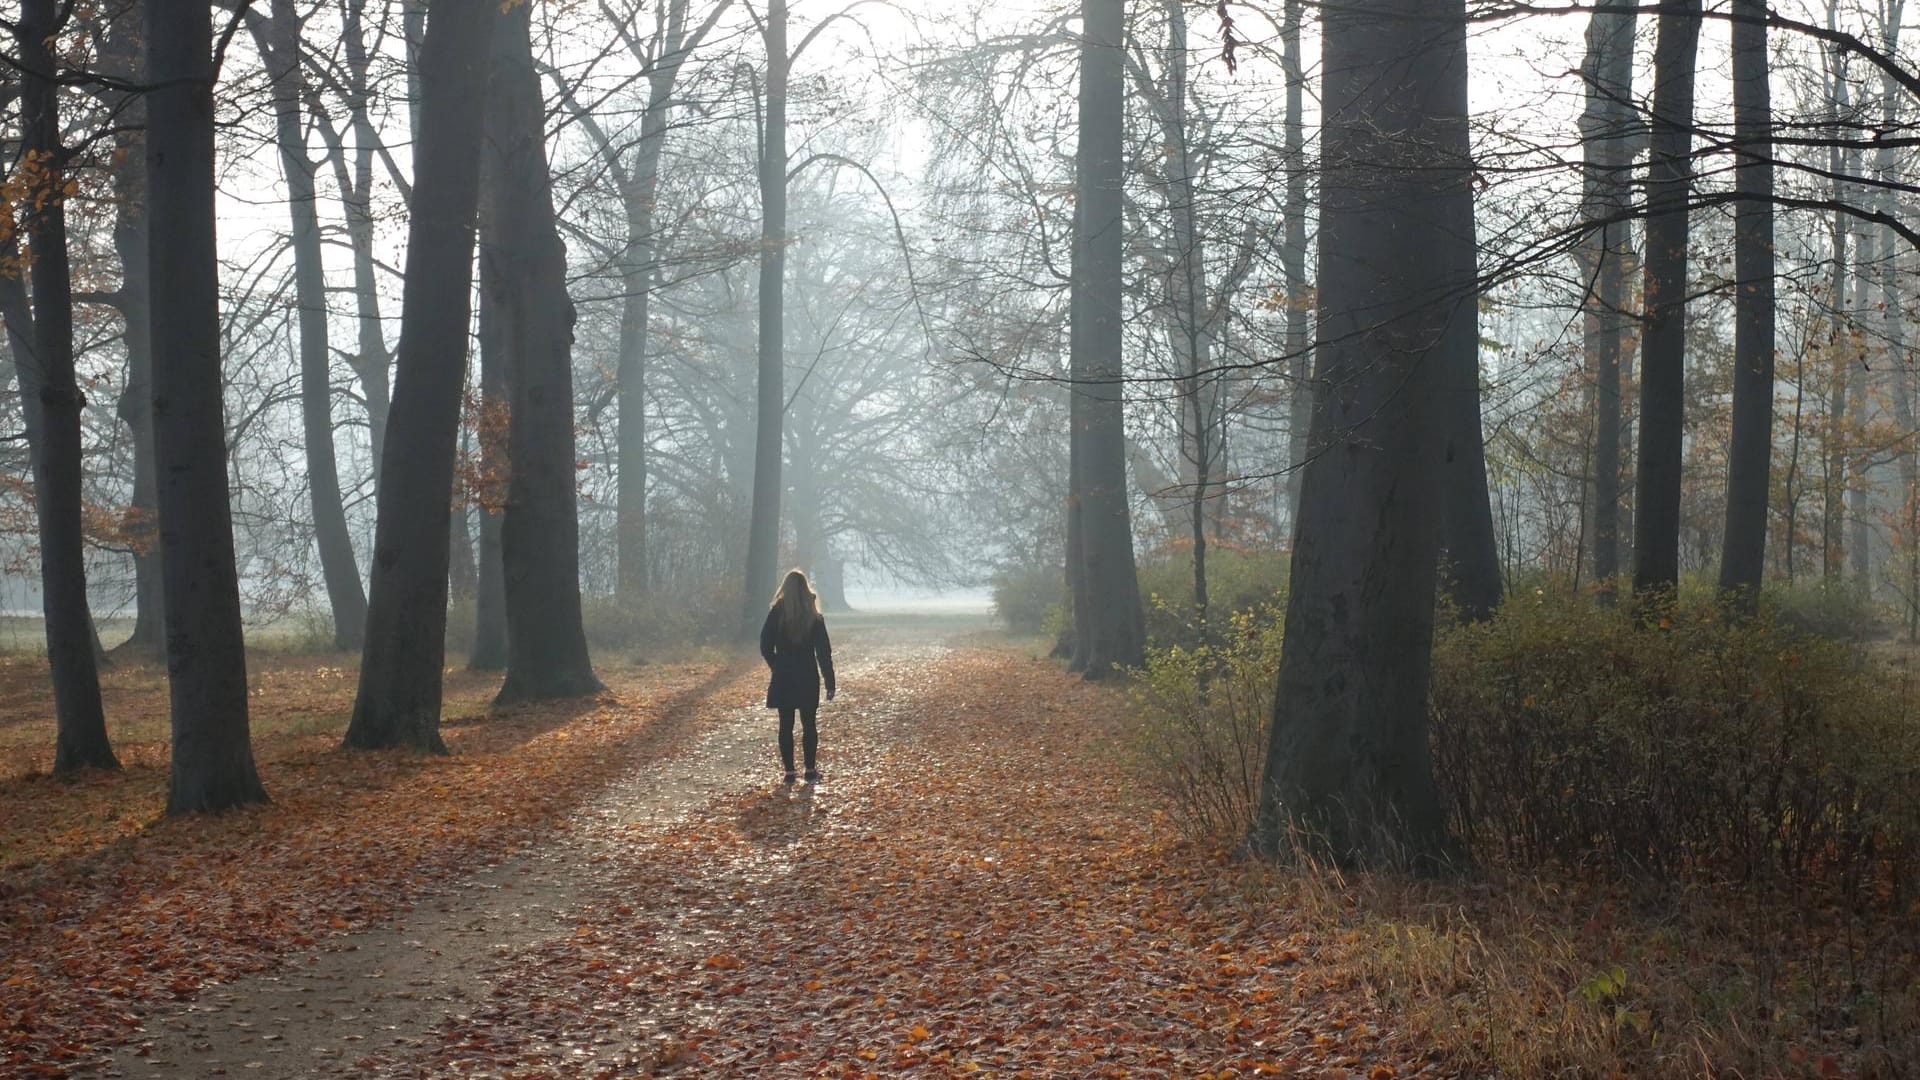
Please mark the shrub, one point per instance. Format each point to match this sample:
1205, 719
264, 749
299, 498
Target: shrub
1203, 711
1837, 610
1700, 749
1239, 580
1024, 595
691, 614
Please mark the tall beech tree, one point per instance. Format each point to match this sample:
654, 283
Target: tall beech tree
540, 526
1605, 123
1108, 589
1466, 510
661, 55
119, 59
763, 526
206, 653
489, 652
399, 697
277, 36
1663, 341
1347, 769
1750, 453
51, 400
1293, 255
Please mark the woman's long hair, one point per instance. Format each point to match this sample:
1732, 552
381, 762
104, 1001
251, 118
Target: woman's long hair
798, 607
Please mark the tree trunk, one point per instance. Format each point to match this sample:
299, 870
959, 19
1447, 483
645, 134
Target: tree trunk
637, 270
371, 361
1608, 71
1076, 561
1663, 344
1293, 260
763, 528
1115, 623
630, 514
51, 400
1750, 453
206, 653
120, 57
279, 43
540, 529
1833, 479
489, 651
1348, 772
463, 573
1859, 494
1188, 329
1466, 508
402, 666
1893, 319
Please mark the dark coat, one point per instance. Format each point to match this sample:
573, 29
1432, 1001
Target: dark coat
797, 669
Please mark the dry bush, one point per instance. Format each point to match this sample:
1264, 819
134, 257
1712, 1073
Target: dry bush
1695, 844
1203, 711
1701, 750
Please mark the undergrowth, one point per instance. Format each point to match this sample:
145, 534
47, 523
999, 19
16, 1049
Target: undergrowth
1696, 844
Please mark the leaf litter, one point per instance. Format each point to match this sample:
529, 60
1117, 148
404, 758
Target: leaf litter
973, 891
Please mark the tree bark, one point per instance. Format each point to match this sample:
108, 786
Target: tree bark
1833, 480
1608, 72
1893, 320
763, 528
1189, 329
120, 57
279, 41
489, 652
1663, 344
51, 400
1750, 452
1859, 505
1466, 507
206, 653
1348, 772
630, 513
371, 360
403, 663
1115, 623
1293, 260
547, 654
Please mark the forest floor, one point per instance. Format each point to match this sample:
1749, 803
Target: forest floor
622, 887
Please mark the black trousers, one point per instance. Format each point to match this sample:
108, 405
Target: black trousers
809, 735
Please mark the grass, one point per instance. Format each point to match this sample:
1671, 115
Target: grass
1550, 975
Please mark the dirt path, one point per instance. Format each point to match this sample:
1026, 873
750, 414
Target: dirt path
974, 890
373, 998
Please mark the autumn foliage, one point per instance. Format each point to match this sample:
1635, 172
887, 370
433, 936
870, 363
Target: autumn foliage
108, 910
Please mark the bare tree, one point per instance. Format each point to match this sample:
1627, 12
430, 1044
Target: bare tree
51, 400
1348, 769
1663, 344
1107, 589
206, 654
1604, 139
540, 529
1750, 454
401, 668
278, 37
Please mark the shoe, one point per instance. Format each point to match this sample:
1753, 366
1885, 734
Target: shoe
813, 776
790, 777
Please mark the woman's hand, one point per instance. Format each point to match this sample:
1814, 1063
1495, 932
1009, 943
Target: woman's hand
830, 693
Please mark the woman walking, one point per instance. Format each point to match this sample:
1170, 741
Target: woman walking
794, 643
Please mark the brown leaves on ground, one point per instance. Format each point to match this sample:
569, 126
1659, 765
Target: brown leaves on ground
105, 908
973, 891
